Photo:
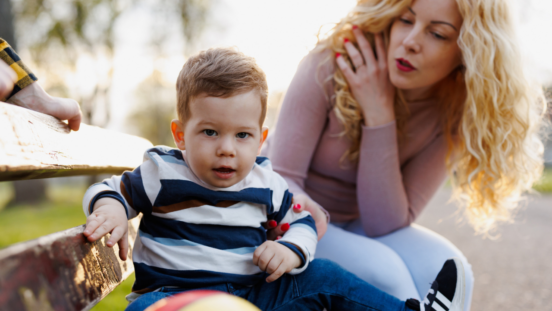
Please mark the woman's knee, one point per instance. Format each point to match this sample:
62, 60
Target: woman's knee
424, 253
369, 260
392, 276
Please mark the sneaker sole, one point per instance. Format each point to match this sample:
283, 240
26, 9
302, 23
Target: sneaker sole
458, 300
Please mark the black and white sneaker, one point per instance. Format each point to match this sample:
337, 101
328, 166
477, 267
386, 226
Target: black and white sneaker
446, 292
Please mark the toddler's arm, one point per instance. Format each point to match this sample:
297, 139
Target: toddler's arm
119, 188
108, 206
301, 238
276, 259
293, 252
109, 217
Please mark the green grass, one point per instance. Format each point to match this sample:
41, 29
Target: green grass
115, 301
545, 183
61, 211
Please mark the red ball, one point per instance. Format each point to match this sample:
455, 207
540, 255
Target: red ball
203, 300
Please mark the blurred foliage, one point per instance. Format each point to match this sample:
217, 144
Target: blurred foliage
59, 32
275, 100
155, 108
6, 194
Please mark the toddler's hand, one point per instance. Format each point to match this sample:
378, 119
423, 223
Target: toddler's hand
109, 216
276, 259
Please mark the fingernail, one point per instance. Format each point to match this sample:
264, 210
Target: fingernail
355, 27
272, 224
92, 236
86, 232
337, 55
345, 40
297, 206
285, 227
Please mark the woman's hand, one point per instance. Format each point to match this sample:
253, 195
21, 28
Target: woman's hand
301, 203
35, 98
369, 82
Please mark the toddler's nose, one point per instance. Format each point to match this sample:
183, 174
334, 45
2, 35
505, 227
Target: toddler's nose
226, 148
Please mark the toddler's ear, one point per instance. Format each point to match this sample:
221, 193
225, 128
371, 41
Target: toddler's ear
177, 129
264, 134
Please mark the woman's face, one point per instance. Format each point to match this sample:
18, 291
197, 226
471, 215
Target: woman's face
423, 47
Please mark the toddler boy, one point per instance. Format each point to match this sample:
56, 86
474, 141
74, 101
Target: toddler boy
204, 203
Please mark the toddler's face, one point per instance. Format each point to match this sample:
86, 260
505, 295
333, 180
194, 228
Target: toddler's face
222, 137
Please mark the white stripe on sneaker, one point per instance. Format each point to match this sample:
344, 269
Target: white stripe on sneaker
437, 307
443, 299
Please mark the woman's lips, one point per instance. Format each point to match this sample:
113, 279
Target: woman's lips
404, 65
224, 172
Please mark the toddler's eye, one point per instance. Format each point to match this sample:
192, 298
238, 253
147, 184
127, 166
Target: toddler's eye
242, 135
210, 132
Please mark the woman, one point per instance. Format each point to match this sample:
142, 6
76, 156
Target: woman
372, 124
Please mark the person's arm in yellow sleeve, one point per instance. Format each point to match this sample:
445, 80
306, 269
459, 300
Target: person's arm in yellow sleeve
25, 92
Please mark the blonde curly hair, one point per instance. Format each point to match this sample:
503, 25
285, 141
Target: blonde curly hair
492, 115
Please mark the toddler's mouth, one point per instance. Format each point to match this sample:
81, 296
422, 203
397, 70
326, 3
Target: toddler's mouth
224, 172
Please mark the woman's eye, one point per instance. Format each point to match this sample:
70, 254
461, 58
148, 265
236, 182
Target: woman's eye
438, 36
242, 135
405, 21
209, 132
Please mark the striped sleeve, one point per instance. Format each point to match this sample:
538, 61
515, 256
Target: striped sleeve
127, 189
108, 188
24, 74
302, 232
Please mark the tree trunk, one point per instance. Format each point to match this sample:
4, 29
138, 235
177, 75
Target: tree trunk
28, 191
7, 31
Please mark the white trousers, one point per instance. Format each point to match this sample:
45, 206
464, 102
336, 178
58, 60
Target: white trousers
402, 263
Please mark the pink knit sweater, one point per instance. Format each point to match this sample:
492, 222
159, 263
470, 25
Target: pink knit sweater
387, 188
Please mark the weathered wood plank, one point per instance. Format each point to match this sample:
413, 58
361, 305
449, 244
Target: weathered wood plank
61, 271
35, 145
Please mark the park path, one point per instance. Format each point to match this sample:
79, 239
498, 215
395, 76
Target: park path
512, 272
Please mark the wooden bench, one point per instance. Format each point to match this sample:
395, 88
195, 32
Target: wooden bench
61, 271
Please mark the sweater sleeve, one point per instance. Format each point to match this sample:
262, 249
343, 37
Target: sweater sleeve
302, 119
129, 189
24, 74
390, 196
301, 237
301, 233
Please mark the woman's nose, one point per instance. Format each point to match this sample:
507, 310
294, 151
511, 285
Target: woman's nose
412, 41
226, 148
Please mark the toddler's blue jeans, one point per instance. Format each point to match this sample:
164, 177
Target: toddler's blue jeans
324, 284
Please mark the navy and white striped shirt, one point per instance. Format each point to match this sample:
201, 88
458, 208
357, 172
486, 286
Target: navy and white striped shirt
194, 235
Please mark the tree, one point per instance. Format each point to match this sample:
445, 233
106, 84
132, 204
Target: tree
64, 31
32, 190
58, 33
155, 109
6, 23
